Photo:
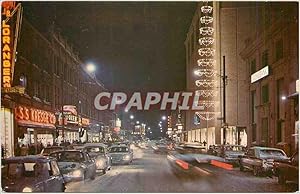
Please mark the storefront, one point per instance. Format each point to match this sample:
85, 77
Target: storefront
74, 128
35, 129
7, 132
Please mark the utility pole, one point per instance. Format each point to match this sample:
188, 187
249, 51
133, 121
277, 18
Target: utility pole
224, 102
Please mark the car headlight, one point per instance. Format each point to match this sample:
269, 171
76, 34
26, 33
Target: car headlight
76, 173
126, 157
27, 190
100, 163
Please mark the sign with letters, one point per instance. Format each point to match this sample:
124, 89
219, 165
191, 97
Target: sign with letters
260, 74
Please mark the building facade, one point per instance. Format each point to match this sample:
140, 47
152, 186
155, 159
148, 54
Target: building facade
57, 88
232, 23
271, 54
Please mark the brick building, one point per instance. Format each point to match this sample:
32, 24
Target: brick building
53, 76
271, 54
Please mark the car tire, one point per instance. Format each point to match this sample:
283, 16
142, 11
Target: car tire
281, 179
256, 171
104, 171
93, 176
242, 167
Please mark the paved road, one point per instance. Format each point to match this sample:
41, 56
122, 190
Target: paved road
150, 173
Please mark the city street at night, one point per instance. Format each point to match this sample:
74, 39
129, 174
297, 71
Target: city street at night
149, 96
151, 173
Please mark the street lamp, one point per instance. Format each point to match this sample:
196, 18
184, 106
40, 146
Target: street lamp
90, 67
137, 122
126, 110
131, 117
283, 97
163, 117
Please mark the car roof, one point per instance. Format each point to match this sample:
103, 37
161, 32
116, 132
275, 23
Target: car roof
265, 148
50, 147
67, 151
94, 144
113, 146
29, 159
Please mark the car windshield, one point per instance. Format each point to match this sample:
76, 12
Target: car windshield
95, 149
235, 148
51, 149
19, 170
69, 156
119, 149
271, 153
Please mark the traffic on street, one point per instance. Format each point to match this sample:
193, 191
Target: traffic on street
149, 96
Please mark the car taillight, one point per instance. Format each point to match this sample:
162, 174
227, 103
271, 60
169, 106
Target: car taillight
182, 164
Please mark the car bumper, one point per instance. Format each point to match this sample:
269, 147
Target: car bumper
70, 178
121, 161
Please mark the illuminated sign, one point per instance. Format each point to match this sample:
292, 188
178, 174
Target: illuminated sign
16, 89
260, 74
7, 7
6, 56
34, 117
70, 108
85, 121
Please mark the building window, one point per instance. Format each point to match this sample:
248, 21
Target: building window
253, 101
280, 131
264, 131
253, 132
279, 49
265, 58
253, 115
192, 39
253, 66
265, 93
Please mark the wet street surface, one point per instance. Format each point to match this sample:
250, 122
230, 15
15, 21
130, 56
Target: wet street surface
150, 172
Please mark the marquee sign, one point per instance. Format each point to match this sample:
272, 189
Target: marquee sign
34, 117
9, 37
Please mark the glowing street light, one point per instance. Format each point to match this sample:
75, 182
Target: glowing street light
131, 117
126, 110
164, 118
137, 122
90, 67
283, 97
149, 128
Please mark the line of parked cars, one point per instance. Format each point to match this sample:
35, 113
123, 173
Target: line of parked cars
260, 160
55, 166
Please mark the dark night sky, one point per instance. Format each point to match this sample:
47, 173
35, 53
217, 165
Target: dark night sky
135, 45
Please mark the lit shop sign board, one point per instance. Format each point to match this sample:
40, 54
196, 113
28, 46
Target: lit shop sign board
260, 74
85, 121
34, 117
6, 55
7, 39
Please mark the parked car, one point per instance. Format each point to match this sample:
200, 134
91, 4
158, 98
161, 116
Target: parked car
75, 165
214, 150
47, 150
120, 154
31, 174
190, 161
287, 170
98, 151
232, 153
261, 159
161, 148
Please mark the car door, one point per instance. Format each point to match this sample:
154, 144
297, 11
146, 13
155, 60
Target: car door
54, 181
248, 159
293, 169
90, 164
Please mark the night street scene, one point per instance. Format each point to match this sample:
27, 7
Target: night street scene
150, 96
